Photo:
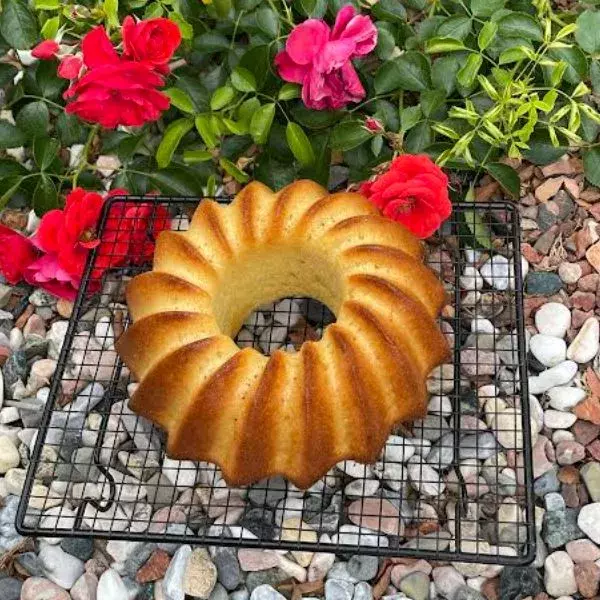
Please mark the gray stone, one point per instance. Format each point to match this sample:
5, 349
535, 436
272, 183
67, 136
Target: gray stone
218, 593
60, 567
138, 558
14, 369
173, 579
265, 592
547, 483
363, 568
10, 588
228, 568
338, 589
31, 563
543, 283
519, 582
270, 577
241, 594
415, 585
362, 591
464, 592
268, 491
339, 570
560, 527
81, 548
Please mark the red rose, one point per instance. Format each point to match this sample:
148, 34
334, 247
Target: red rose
70, 67
45, 50
118, 94
16, 254
414, 192
152, 41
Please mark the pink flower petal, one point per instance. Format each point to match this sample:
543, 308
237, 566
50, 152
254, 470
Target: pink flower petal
363, 33
97, 49
342, 19
288, 70
306, 41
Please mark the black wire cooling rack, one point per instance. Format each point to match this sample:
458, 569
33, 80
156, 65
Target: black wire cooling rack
456, 485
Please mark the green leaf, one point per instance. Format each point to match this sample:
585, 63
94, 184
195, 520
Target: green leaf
9, 188
70, 129
467, 74
261, 122
11, 136
418, 138
45, 196
204, 127
577, 63
438, 45
171, 138
591, 165
18, 25
289, 91
411, 72
222, 7
457, 27
432, 100
520, 25
47, 4
385, 40
349, 134
45, 151
50, 84
221, 97
268, 22
50, 28
389, 10
507, 177
299, 144
315, 119
444, 70
247, 109
319, 170
191, 157
487, 34
274, 173
33, 118
211, 41
588, 31
7, 73
180, 99
595, 76
186, 29
111, 9
177, 181
243, 80
409, 117
541, 151
154, 10
476, 225
232, 170
512, 55
486, 8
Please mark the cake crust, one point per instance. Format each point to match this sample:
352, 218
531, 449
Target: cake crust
290, 414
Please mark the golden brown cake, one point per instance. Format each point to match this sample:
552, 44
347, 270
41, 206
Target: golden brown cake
292, 414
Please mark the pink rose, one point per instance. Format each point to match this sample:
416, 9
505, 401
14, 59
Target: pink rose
319, 58
70, 67
45, 50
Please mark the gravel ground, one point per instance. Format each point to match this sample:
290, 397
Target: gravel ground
561, 250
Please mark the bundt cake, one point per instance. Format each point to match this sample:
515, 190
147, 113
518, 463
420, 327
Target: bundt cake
292, 414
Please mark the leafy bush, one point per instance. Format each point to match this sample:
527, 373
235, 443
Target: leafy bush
467, 81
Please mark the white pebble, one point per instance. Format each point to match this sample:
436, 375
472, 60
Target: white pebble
564, 397
586, 343
471, 279
561, 374
558, 419
559, 576
549, 350
553, 319
496, 272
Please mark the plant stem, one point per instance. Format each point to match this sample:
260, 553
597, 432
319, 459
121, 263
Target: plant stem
84, 154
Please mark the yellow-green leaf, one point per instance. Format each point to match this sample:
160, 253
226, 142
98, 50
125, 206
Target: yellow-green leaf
171, 138
261, 122
111, 10
195, 156
299, 144
487, 34
180, 99
232, 170
221, 97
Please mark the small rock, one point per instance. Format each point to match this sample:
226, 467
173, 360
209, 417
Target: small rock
569, 453
447, 581
593, 256
10, 588
60, 567
590, 473
587, 576
85, 588
38, 588
547, 483
362, 591
228, 568
377, 514
548, 349
582, 550
565, 398
569, 272
496, 272
200, 575
173, 579
559, 576
559, 375
265, 592
585, 345
9, 455
81, 548
560, 527
519, 582
554, 319
338, 589
558, 419
416, 586
589, 521
111, 586
362, 567
294, 529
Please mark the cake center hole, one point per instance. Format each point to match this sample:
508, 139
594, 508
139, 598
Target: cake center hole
284, 324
